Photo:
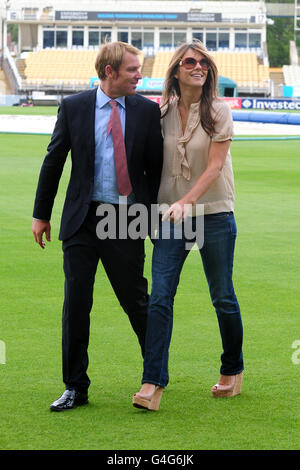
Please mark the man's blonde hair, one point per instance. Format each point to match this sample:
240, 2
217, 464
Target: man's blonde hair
112, 54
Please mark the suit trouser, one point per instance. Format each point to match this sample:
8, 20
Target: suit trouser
123, 261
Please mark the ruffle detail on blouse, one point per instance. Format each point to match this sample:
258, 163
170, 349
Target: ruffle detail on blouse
180, 163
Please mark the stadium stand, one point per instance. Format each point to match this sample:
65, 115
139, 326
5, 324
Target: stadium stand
57, 66
160, 64
58, 41
291, 75
241, 67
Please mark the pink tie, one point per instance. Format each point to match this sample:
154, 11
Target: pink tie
114, 125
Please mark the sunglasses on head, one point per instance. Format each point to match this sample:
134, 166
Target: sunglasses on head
190, 63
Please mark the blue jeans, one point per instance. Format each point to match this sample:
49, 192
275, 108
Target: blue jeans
169, 255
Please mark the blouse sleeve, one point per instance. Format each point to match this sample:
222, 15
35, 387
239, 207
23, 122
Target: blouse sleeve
223, 123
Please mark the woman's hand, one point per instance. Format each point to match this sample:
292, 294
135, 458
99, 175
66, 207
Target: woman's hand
177, 212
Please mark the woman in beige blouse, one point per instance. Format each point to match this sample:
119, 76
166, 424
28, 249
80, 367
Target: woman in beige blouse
197, 186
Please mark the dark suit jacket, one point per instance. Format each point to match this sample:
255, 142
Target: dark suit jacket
74, 130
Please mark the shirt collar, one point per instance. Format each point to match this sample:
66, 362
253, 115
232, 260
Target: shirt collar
102, 99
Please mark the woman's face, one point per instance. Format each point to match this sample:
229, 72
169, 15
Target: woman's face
195, 76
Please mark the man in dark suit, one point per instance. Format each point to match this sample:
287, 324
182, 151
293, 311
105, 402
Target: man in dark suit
86, 125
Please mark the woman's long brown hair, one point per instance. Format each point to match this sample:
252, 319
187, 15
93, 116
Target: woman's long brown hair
209, 89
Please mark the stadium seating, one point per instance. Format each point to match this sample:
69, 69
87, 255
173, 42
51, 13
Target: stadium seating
242, 67
160, 64
76, 66
57, 66
291, 75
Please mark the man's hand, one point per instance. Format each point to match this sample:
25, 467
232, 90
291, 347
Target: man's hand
39, 228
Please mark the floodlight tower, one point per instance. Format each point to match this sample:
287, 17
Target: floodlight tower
3, 29
296, 19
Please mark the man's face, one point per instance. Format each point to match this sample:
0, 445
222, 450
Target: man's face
124, 81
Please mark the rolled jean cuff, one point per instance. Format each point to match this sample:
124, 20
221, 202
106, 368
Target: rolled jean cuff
231, 373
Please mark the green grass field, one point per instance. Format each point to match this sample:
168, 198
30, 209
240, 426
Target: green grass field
52, 110
29, 111
267, 283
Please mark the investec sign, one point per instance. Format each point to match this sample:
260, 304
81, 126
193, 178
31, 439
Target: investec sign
271, 104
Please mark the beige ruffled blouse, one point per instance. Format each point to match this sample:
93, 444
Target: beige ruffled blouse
186, 158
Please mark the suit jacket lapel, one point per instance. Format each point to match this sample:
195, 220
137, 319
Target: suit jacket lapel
130, 124
88, 125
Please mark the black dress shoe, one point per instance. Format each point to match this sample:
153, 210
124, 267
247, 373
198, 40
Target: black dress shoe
69, 399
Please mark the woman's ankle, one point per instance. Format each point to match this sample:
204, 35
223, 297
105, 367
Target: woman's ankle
147, 388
